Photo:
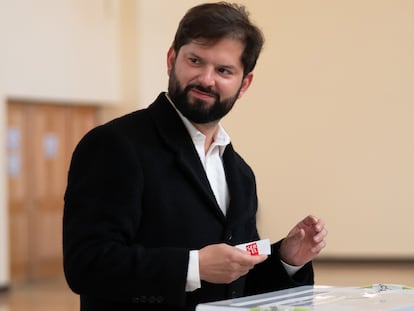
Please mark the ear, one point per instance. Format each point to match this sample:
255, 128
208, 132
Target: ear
247, 80
170, 59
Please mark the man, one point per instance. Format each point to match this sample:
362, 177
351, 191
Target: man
157, 199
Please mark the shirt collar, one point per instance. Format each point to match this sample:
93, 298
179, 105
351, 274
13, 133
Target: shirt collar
222, 139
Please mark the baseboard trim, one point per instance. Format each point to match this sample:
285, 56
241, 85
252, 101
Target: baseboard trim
364, 260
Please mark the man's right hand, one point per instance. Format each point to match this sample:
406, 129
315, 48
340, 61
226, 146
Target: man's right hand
223, 264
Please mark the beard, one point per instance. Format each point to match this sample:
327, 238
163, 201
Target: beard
197, 110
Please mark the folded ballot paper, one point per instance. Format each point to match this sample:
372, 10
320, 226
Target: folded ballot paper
261, 247
376, 297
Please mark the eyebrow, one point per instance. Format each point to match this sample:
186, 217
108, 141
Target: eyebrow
229, 67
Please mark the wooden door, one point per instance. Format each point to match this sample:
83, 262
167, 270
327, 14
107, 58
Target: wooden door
18, 194
46, 135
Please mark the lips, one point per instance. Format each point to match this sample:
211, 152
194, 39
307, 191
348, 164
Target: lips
202, 94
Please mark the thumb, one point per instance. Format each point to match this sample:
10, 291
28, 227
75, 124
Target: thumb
297, 235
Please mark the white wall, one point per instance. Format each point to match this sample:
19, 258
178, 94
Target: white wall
158, 21
66, 50
63, 49
328, 123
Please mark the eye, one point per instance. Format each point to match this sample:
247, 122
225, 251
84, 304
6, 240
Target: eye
194, 60
225, 71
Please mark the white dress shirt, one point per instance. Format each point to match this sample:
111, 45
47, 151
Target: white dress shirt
213, 165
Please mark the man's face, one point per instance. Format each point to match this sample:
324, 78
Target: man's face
206, 79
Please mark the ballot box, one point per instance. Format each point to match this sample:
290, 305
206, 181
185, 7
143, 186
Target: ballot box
375, 297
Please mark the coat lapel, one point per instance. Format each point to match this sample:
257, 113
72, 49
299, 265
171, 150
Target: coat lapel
240, 186
177, 138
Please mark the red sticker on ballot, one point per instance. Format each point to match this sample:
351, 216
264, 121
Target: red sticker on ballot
252, 249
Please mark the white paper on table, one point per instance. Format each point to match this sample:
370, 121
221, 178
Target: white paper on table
260, 247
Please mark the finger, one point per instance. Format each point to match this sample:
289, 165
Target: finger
259, 258
310, 220
253, 259
241, 251
321, 235
299, 235
318, 247
319, 226
295, 232
250, 261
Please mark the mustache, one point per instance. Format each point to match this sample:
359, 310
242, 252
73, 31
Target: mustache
207, 90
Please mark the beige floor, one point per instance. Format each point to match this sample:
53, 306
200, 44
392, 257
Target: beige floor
54, 294
39, 296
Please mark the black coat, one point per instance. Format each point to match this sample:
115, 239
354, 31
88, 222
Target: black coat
138, 200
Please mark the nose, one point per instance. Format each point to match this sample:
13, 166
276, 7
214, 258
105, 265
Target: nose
207, 77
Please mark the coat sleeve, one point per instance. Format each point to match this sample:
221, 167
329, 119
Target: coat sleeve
271, 275
102, 214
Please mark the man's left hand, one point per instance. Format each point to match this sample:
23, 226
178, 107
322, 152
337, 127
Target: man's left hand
303, 242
